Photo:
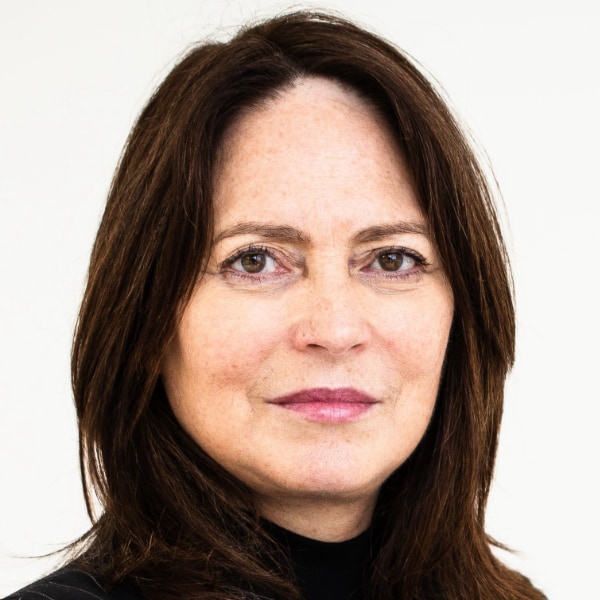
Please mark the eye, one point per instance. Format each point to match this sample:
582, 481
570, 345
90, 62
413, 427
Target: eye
394, 260
252, 261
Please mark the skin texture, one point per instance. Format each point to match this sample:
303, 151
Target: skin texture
327, 295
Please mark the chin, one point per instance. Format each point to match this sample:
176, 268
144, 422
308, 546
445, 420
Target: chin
333, 480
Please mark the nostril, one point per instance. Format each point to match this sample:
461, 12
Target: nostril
334, 335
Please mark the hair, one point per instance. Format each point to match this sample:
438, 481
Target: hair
173, 522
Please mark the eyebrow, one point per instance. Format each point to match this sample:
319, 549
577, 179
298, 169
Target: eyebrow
273, 232
378, 232
285, 233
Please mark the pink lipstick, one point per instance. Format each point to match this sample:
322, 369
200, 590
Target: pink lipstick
326, 405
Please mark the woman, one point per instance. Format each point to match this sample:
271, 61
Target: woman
290, 357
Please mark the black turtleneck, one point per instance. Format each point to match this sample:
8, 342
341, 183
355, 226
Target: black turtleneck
327, 570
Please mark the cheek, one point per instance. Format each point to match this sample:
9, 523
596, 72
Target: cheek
418, 337
220, 342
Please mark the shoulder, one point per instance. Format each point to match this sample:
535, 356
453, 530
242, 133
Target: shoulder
71, 583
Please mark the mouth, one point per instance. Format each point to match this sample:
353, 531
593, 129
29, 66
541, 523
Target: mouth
327, 405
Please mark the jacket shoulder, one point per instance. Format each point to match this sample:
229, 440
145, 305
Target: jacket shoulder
71, 583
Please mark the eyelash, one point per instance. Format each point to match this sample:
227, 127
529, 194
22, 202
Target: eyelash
225, 266
420, 263
419, 260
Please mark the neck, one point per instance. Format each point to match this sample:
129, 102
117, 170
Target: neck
319, 519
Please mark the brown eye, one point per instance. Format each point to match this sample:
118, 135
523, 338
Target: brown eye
391, 261
253, 263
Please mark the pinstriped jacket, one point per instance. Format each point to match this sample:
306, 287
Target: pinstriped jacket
70, 583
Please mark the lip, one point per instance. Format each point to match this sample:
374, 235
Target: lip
327, 405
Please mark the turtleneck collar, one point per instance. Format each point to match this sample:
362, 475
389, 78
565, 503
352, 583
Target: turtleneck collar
327, 570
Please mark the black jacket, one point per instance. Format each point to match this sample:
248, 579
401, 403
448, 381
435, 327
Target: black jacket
70, 583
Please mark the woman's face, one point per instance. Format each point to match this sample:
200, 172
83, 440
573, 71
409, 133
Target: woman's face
308, 359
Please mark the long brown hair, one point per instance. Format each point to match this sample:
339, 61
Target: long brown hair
173, 522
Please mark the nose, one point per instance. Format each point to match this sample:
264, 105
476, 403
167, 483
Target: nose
333, 320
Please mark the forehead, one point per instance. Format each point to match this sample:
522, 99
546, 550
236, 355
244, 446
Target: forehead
297, 118
316, 146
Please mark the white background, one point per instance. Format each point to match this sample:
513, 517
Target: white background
522, 74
